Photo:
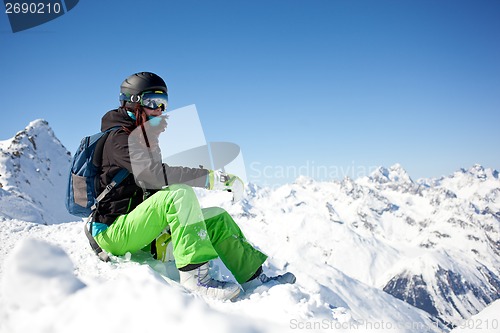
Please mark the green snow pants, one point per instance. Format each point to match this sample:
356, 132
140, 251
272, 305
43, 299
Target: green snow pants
198, 235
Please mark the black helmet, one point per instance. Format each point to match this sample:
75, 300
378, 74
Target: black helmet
140, 82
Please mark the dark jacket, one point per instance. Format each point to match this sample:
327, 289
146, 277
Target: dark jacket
147, 172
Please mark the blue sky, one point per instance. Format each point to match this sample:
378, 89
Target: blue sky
322, 88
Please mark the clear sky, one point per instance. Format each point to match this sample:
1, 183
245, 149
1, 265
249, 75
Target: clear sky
321, 88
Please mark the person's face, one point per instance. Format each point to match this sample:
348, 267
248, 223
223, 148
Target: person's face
160, 124
153, 112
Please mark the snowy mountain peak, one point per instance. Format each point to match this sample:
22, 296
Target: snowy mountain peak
479, 172
303, 180
34, 167
26, 137
37, 126
395, 174
477, 184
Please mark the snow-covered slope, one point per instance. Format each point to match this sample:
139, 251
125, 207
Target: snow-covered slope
356, 246
52, 282
487, 321
33, 169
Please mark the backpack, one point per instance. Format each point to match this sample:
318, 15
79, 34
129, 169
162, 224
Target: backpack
81, 197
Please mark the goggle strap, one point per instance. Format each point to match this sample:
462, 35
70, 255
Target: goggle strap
130, 98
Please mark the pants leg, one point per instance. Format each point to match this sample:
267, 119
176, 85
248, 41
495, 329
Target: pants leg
239, 256
175, 206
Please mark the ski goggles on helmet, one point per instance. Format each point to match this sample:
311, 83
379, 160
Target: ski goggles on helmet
148, 99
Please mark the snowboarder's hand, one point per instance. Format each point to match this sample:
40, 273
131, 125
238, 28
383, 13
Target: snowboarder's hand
219, 180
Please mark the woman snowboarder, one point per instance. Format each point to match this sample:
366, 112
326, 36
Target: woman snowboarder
156, 198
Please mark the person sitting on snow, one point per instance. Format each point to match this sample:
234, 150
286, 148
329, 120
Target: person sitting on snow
156, 197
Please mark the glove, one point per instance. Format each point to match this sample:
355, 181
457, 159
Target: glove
219, 180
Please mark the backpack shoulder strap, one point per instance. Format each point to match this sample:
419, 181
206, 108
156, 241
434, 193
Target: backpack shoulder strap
93, 244
117, 179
